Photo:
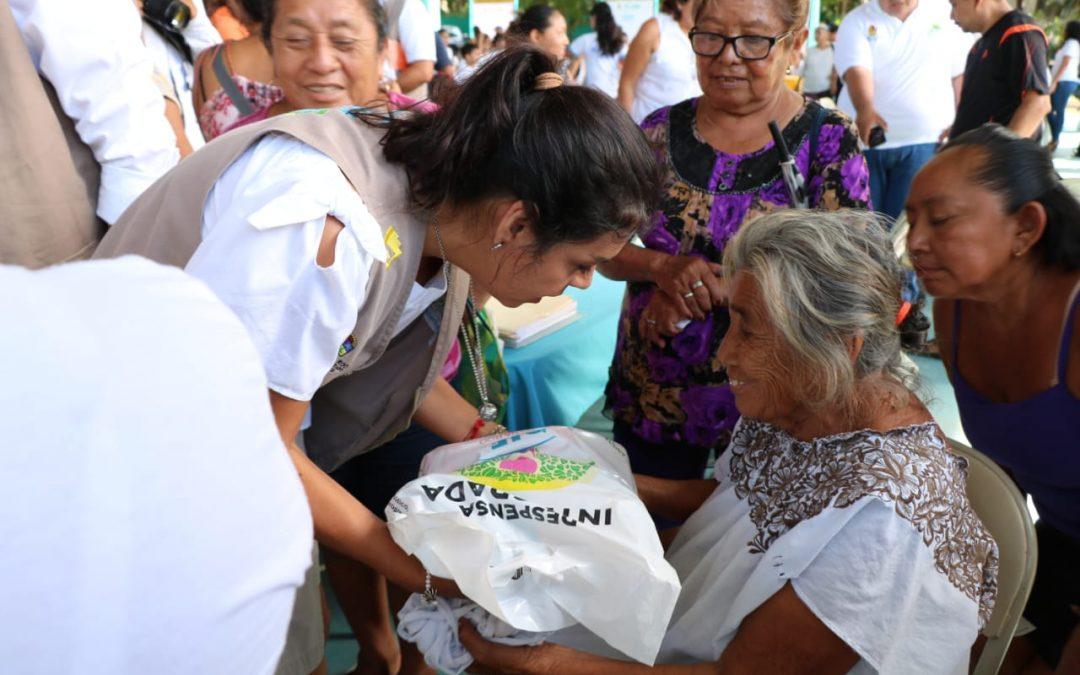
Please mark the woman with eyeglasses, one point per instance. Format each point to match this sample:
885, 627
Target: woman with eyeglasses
659, 66
668, 396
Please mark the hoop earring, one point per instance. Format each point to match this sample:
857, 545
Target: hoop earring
496, 247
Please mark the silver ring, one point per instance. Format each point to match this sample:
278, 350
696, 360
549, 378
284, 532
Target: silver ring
697, 284
688, 294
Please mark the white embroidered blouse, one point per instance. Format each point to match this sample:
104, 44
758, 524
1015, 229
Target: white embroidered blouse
873, 530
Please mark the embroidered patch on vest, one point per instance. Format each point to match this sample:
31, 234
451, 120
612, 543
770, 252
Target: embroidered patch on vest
393, 245
347, 346
786, 481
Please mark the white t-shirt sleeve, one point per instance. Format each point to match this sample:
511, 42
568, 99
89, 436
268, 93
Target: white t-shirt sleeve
201, 34
1071, 49
579, 45
416, 32
875, 585
104, 81
852, 46
262, 224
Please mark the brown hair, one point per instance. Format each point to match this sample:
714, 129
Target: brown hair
571, 154
673, 8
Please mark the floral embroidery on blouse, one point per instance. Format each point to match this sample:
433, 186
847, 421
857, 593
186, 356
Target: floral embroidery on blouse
786, 481
679, 393
218, 114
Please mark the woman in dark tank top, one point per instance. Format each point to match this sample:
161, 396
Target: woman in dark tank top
995, 238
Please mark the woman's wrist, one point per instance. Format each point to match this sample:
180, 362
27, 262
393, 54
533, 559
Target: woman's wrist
481, 427
655, 265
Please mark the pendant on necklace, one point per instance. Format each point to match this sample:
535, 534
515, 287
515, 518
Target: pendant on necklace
488, 411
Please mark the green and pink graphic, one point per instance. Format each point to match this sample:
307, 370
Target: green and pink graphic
528, 470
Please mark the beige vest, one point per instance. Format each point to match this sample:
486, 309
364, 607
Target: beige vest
48, 176
371, 393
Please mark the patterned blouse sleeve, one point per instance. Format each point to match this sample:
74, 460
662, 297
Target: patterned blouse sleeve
839, 177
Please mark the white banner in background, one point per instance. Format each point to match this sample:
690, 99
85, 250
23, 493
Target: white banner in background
489, 15
630, 14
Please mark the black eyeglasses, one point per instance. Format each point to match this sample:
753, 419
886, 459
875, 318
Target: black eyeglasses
747, 47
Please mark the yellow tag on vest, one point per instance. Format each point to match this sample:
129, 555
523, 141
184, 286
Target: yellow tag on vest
393, 245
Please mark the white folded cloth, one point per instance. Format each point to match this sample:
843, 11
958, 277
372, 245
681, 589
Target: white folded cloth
433, 628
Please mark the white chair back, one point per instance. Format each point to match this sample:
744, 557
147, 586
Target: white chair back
1003, 511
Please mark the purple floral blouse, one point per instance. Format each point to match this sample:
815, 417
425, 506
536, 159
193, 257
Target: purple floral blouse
679, 393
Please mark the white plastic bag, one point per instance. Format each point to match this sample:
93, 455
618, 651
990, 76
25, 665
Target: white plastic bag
542, 528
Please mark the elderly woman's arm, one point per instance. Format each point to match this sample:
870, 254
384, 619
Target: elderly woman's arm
780, 636
675, 499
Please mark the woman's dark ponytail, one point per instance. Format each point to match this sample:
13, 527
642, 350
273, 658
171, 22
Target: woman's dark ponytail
570, 153
609, 35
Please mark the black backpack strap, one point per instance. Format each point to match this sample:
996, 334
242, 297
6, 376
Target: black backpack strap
243, 105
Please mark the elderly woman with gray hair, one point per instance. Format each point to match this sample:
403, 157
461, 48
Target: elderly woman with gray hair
837, 535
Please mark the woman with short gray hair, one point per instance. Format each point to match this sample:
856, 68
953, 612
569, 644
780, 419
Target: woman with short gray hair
837, 535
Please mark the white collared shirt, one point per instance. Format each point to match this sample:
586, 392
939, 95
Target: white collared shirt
262, 224
913, 63
104, 80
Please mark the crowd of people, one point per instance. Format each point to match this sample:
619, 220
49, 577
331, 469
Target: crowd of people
296, 211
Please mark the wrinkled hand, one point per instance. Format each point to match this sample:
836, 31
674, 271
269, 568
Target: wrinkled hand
496, 659
693, 284
657, 322
867, 120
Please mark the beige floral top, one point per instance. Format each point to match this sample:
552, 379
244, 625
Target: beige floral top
872, 529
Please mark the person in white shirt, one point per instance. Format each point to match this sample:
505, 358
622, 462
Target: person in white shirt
153, 522
601, 51
903, 64
409, 22
819, 78
1065, 74
660, 67
470, 59
344, 241
104, 82
174, 53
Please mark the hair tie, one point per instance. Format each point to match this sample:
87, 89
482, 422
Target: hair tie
546, 81
902, 313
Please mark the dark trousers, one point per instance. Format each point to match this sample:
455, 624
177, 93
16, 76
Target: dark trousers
1058, 100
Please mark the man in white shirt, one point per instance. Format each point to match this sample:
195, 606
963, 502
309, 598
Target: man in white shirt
903, 64
95, 60
411, 25
152, 521
173, 52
